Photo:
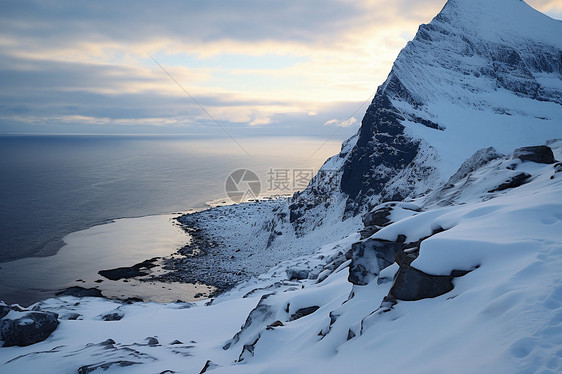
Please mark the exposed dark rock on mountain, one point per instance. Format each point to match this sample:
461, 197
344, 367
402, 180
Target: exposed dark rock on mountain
261, 314
209, 365
86, 369
303, 312
78, 291
541, 154
412, 284
297, 274
466, 55
515, 181
114, 316
29, 328
369, 257
381, 152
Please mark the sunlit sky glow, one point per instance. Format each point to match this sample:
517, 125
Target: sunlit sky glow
258, 67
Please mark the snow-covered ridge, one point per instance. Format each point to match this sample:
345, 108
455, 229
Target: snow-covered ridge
498, 244
447, 96
480, 74
456, 267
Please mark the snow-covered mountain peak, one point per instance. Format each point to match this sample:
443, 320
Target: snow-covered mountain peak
480, 74
476, 46
458, 270
503, 19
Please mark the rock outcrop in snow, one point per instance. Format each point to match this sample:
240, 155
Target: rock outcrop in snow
22, 327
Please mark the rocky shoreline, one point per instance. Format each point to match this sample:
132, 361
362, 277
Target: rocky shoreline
201, 260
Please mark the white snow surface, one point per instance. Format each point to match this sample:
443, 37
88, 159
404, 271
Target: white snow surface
505, 316
476, 74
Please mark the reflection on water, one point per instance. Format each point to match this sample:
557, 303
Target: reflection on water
52, 186
124, 242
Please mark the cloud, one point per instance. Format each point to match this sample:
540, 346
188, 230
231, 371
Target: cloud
345, 123
260, 120
191, 21
334, 121
250, 63
348, 122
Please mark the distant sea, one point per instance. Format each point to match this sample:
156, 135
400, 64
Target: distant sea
54, 185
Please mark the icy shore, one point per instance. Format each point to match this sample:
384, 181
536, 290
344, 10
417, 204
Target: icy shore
309, 313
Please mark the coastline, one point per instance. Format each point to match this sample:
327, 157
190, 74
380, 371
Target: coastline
231, 244
219, 247
121, 242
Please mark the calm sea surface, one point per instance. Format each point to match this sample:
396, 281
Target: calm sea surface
51, 186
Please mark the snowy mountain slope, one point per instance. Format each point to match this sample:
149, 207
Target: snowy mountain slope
247, 239
482, 73
504, 315
460, 273
244, 240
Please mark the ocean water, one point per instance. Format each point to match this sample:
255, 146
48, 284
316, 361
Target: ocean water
55, 190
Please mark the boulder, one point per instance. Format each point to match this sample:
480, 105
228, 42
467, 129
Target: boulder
303, 312
378, 217
78, 291
152, 341
370, 256
297, 274
515, 181
137, 270
541, 154
115, 316
108, 343
412, 284
274, 325
359, 275
30, 328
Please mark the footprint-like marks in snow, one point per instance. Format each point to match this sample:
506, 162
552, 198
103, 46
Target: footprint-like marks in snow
523, 347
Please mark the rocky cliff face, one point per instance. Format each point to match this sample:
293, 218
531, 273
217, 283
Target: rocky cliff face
480, 74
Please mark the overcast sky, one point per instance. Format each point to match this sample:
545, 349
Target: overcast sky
255, 66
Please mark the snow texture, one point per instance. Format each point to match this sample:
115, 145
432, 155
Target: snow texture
482, 74
502, 316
